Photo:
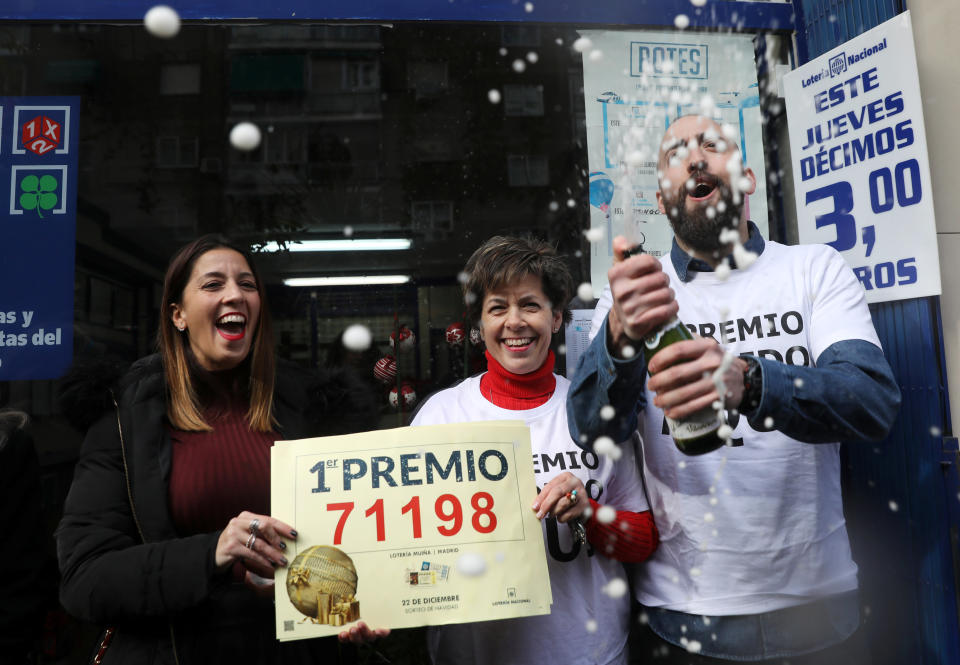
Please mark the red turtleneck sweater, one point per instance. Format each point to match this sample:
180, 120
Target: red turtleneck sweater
631, 537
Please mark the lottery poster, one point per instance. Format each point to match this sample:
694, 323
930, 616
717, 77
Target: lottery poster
859, 151
635, 83
408, 527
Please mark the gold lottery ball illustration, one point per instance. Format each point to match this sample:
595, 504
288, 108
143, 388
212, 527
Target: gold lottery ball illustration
322, 584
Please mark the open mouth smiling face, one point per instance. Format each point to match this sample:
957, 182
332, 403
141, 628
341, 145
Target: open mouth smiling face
517, 322
232, 326
219, 309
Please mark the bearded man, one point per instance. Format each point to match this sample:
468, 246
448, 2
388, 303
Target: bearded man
754, 561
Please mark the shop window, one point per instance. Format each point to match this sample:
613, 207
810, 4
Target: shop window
523, 100
528, 170
180, 79
427, 78
432, 219
176, 152
361, 75
520, 35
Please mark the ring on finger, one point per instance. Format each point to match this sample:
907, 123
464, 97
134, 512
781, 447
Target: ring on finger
251, 540
572, 496
254, 526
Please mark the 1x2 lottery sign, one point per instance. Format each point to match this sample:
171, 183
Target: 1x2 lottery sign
384, 517
38, 172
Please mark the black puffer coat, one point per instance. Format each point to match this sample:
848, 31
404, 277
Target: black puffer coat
128, 568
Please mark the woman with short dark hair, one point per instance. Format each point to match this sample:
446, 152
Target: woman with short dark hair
517, 291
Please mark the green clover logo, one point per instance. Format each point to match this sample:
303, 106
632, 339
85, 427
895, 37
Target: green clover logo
38, 193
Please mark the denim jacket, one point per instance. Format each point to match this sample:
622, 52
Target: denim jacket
815, 409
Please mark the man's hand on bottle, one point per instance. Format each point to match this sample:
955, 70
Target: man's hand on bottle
643, 301
681, 376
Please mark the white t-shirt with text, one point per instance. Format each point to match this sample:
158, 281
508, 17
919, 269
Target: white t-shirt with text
577, 576
758, 526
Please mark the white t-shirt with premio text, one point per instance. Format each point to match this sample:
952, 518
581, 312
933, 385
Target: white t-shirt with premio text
758, 526
578, 574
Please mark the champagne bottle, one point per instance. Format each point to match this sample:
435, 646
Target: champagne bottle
697, 433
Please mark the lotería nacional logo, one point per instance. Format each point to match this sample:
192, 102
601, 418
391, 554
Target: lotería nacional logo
838, 64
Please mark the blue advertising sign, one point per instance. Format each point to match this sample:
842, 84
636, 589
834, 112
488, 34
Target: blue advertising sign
38, 212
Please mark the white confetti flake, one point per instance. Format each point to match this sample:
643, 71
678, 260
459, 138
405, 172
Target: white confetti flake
554, 206
493, 95
722, 272
162, 21
463, 276
596, 55
606, 514
695, 572
708, 517
562, 349
245, 136
591, 625
519, 65
768, 422
528, 7
347, 231
357, 338
585, 291
893, 506
935, 431
471, 564
607, 412
693, 646
725, 432
582, 45
605, 447
595, 234
681, 464
615, 588
628, 352
713, 501
744, 257
635, 157
532, 57
798, 382
571, 203
502, 51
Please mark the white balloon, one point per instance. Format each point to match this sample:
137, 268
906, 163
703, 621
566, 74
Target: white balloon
162, 21
616, 587
245, 136
585, 291
357, 337
471, 564
582, 44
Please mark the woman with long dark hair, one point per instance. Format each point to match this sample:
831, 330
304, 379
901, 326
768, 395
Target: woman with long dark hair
166, 535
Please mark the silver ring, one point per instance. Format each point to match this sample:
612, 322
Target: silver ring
254, 526
251, 540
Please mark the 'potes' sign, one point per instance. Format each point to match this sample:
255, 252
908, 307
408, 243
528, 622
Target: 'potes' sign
860, 167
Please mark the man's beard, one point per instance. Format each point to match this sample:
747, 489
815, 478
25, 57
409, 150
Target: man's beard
698, 231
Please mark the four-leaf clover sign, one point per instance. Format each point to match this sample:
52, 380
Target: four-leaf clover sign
38, 193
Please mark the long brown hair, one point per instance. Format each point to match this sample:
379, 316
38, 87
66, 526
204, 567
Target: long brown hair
183, 406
